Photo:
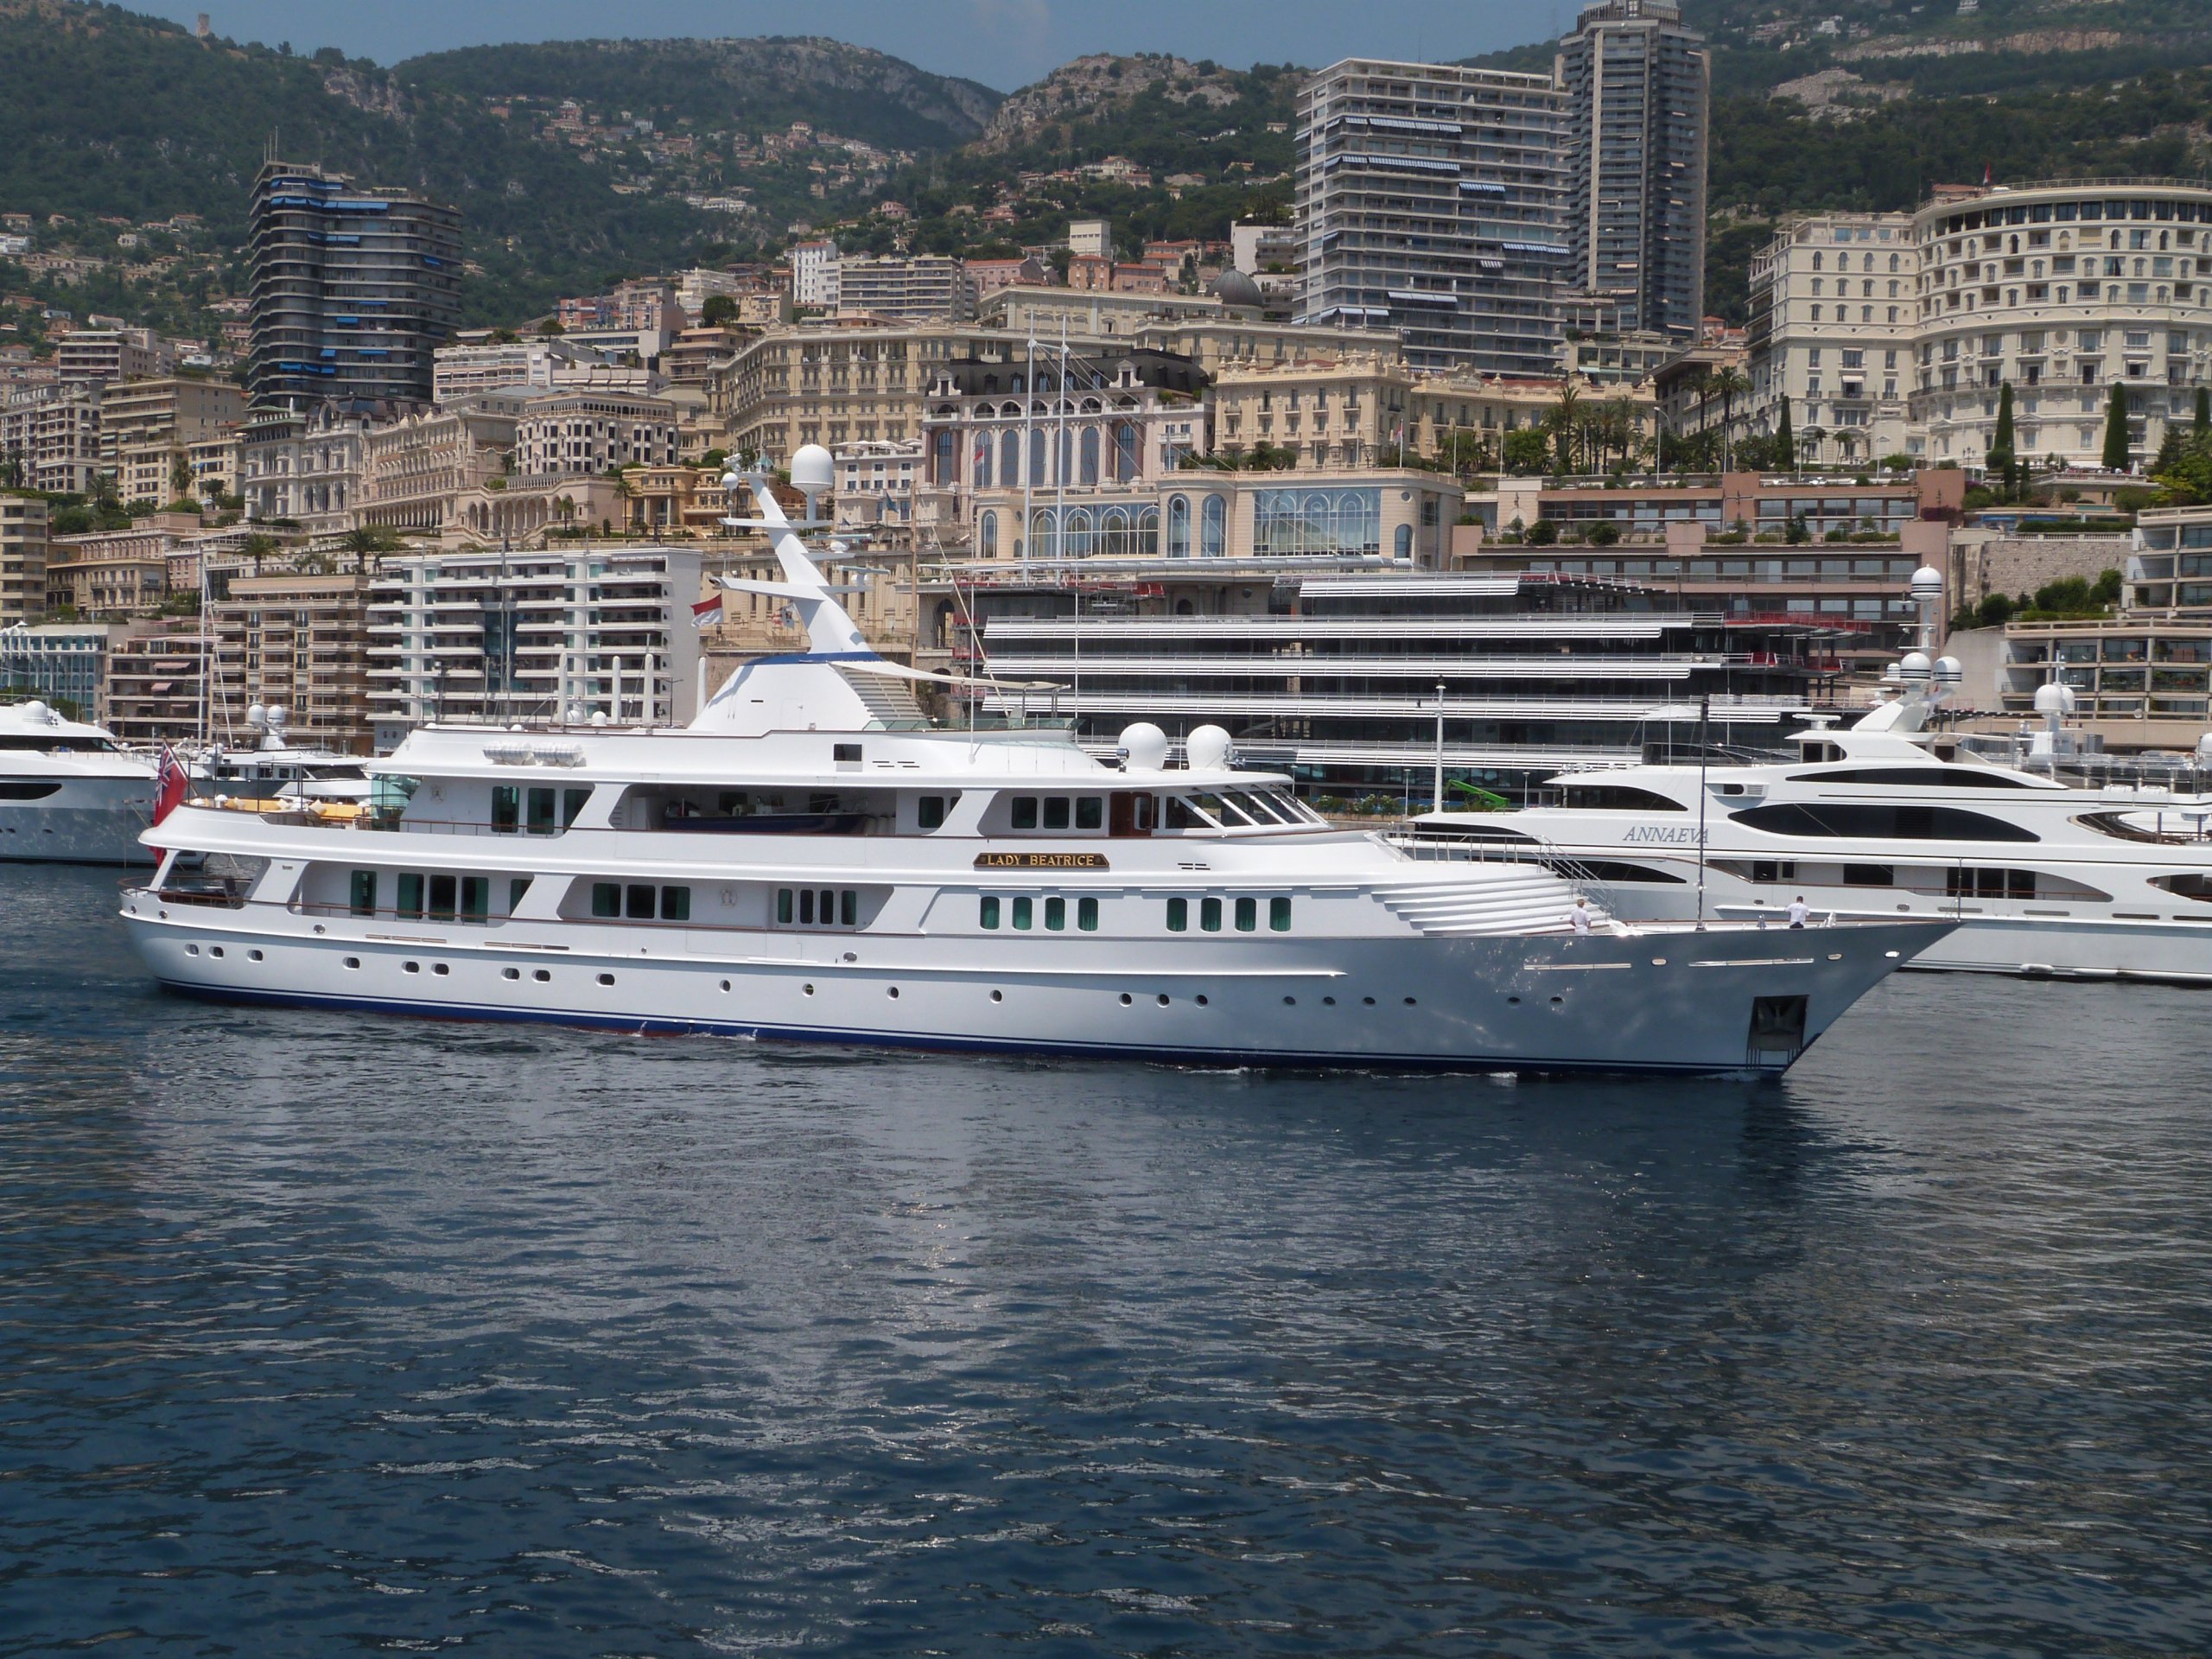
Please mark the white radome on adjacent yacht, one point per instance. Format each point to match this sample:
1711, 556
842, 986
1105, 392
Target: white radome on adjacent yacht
810, 859
1891, 819
68, 792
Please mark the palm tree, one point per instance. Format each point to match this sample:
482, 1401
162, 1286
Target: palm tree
1565, 425
1728, 385
1704, 386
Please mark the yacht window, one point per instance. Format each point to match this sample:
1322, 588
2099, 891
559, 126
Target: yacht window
806, 906
1132, 815
506, 809
1617, 797
2190, 884
784, 906
516, 889
1086, 915
1181, 814
607, 898
1279, 915
1918, 777
1025, 812
410, 895
1774, 869
1260, 809
1989, 884
1210, 915
848, 907
1056, 915
572, 805
990, 910
809, 907
1021, 914
1091, 811
1056, 813
541, 811
1869, 875
365, 893
1902, 821
475, 898
637, 903
1179, 915
676, 904
441, 897
1247, 915
929, 812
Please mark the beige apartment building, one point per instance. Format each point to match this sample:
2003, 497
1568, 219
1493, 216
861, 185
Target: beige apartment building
22, 560
1833, 312
52, 433
295, 639
154, 692
583, 434
149, 427
416, 471
833, 385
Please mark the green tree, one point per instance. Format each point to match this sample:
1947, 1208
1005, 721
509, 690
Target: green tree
1728, 385
1528, 451
720, 310
2003, 460
1565, 421
2116, 446
1785, 442
2201, 433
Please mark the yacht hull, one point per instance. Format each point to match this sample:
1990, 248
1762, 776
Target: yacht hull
1729, 1000
85, 821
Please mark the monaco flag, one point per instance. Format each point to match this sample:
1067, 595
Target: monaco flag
170, 783
707, 613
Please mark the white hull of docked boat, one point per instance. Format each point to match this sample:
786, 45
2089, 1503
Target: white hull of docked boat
1726, 999
84, 821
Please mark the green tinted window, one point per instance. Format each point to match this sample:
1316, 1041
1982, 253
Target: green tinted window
1056, 915
606, 899
475, 897
365, 893
1210, 915
411, 894
676, 904
1247, 915
1086, 915
1279, 915
1179, 915
506, 808
990, 911
1021, 912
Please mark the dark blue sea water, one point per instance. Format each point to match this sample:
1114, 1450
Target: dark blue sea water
322, 1335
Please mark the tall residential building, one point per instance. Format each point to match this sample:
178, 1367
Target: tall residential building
352, 289
925, 287
1833, 318
548, 365
149, 428
1638, 85
293, 638
51, 434
104, 354
2062, 290
1430, 199
22, 560
814, 275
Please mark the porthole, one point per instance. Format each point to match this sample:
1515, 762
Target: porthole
191, 949
892, 993
353, 961
214, 949
1557, 1000
414, 967
1126, 998
725, 985
542, 976
1163, 999
998, 996
253, 956
1409, 1002
439, 970
808, 989
1328, 1001
606, 979
1290, 1001
1369, 1000
510, 973
1513, 1001
1201, 1002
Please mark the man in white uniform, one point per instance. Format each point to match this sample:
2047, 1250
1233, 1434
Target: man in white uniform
1800, 911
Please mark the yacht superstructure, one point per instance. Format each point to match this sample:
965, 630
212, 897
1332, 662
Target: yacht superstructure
1891, 819
810, 859
68, 792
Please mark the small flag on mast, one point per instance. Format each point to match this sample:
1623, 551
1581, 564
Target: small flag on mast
707, 613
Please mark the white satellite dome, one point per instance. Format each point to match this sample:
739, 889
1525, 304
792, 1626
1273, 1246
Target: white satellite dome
256, 715
2053, 699
1142, 747
1950, 671
812, 470
1928, 582
1915, 668
730, 482
1207, 749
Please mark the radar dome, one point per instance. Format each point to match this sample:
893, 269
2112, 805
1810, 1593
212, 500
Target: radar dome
1928, 582
1236, 287
730, 482
1143, 748
256, 715
1207, 749
812, 470
2053, 699
1914, 670
1950, 671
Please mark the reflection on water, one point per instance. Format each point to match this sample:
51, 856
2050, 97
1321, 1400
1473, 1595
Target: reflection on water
328, 1333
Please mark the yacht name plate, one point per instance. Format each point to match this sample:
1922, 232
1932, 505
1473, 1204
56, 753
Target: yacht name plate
1042, 861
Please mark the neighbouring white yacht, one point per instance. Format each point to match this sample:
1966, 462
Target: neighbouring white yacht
1891, 819
68, 792
812, 859
274, 768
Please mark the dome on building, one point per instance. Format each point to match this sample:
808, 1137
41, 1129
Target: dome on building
1234, 287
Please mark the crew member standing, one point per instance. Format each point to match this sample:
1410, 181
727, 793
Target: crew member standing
1800, 911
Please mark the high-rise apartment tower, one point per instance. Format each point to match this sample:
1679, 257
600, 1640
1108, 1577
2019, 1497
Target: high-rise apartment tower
1638, 85
352, 290
1430, 199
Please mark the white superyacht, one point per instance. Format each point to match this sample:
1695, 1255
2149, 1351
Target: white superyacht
809, 859
69, 793
1891, 819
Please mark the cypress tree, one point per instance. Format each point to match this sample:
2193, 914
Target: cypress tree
1785, 442
2202, 434
2001, 447
2115, 456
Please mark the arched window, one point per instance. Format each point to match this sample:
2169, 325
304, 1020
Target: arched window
1063, 467
1043, 544
1009, 458
1036, 457
1079, 543
983, 411
1213, 528
1114, 539
1148, 542
1125, 452
982, 461
987, 536
1819, 261
1090, 474
1179, 526
1403, 544
948, 457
